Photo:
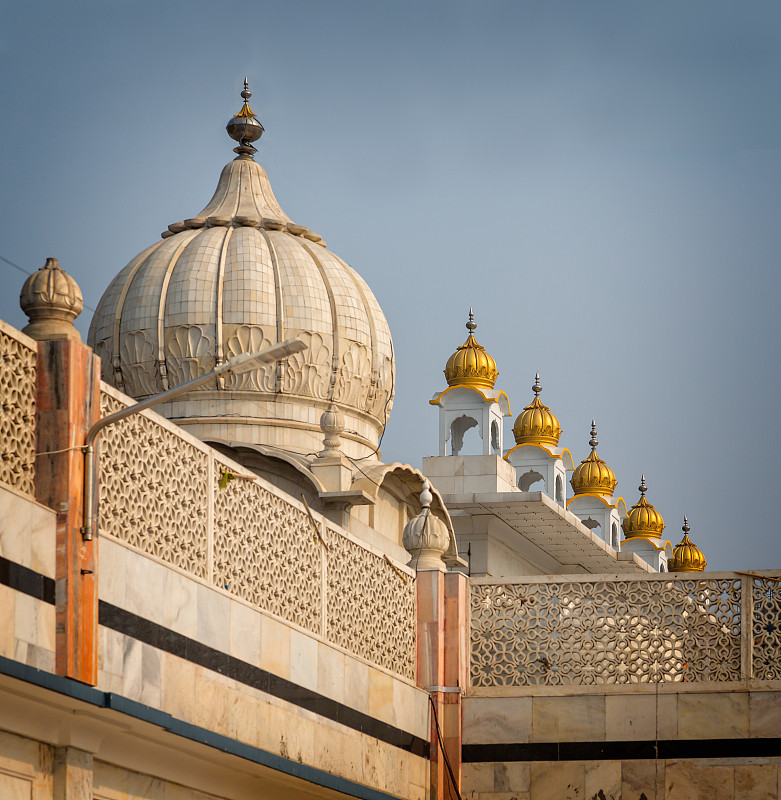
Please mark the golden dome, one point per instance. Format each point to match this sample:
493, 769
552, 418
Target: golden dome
687, 557
537, 424
471, 365
593, 475
643, 520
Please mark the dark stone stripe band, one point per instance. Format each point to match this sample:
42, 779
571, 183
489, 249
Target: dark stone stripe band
25, 580
619, 751
32, 583
162, 638
86, 694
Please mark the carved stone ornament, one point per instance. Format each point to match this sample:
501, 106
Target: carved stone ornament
17, 419
426, 537
332, 425
52, 300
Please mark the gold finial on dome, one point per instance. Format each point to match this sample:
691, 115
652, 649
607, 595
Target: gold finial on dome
644, 521
593, 475
471, 365
687, 557
244, 127
537, 424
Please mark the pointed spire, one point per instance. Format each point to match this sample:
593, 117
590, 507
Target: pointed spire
471, 325
593, 440
642, 487
685, 527
244, 127
537, 388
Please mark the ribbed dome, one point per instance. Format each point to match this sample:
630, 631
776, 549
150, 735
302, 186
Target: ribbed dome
687, 557
644, 521
471, 365
593, 475
238, 276
537, 424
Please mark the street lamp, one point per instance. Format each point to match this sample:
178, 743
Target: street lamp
244, 362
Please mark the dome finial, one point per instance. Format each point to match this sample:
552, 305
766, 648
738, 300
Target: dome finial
537, 388
244, 127
425, 495
642, 487
52, 300
471, 325
685, 527
593, 440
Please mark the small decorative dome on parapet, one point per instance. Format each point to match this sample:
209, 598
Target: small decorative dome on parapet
471, 365
687, 557
426, 537
244, 127
537, 424
593, 475
52, 300
644, 521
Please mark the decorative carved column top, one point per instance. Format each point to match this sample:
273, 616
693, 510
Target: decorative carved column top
52, 300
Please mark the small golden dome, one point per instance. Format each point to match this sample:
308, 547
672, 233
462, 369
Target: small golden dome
593, 475
471, 365
643, 520
537, 424
687, 557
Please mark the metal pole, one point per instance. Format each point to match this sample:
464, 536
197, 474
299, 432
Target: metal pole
245, 362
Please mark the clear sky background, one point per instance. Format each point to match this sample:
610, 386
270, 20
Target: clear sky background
600, 180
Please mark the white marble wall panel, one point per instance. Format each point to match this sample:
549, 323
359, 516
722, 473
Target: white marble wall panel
28, 535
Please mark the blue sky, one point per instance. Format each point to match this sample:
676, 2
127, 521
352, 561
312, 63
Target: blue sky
601, 181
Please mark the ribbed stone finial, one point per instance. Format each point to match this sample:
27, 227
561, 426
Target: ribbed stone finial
593, 440
425, 496
332, 425
244, 127
426, 537
52, 300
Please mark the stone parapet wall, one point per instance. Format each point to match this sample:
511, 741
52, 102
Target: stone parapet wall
164, 493
597, 630
212, 660
18, 356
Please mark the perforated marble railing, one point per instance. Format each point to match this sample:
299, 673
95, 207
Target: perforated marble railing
722, 626
160, 493
17, 402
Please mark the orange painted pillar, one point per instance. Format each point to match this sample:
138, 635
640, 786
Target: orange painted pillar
68, 403
442, 671
456, 665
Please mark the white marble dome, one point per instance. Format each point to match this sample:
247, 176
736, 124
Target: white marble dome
238, 276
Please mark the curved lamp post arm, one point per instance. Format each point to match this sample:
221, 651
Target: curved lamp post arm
244, 362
